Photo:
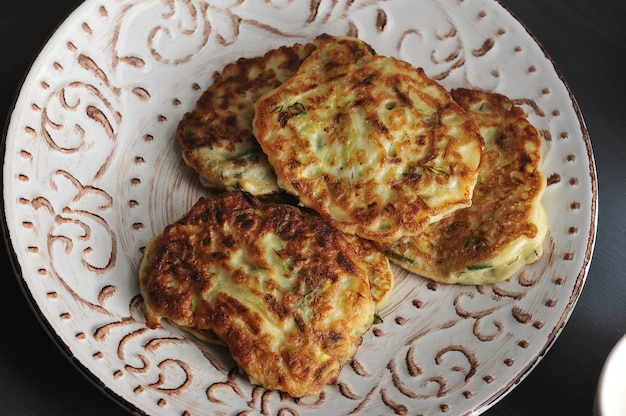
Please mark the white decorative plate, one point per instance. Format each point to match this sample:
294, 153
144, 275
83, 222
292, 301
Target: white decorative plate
91, 173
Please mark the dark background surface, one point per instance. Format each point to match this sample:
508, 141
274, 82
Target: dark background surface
586, 40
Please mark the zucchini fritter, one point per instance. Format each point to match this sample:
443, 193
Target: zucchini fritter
506, 225
370, 142
287, 293
216, 136
379, 272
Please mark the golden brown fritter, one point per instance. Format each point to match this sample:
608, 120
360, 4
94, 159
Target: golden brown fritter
287, 293
506, 225
216, 136
370, 142
378, 268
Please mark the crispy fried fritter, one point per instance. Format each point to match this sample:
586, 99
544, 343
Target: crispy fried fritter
216, 136
378, 268
370, 142
506, 225
287, 293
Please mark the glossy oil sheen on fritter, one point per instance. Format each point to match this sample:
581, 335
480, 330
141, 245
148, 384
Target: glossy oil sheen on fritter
506, 225
287, 293
368, 141
216, 136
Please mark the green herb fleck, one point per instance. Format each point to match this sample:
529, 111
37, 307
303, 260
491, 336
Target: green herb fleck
479, 266
399, 257
296, 109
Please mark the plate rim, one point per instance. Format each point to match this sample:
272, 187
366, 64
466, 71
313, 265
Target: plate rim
482, 407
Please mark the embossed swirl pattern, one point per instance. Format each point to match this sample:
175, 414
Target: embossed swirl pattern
102, 175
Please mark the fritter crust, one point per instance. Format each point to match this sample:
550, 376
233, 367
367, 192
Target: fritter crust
506, 225
379, 272
216, 136
287, 293
370, 142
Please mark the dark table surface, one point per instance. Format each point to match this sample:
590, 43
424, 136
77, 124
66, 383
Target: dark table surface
586, 40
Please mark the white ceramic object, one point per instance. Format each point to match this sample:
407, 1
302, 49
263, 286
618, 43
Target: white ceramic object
611, 393
91, 173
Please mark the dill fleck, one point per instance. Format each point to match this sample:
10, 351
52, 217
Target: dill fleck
296, 109
479, 266
399, 257
292, 110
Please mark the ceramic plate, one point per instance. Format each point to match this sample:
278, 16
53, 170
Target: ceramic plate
91, 173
